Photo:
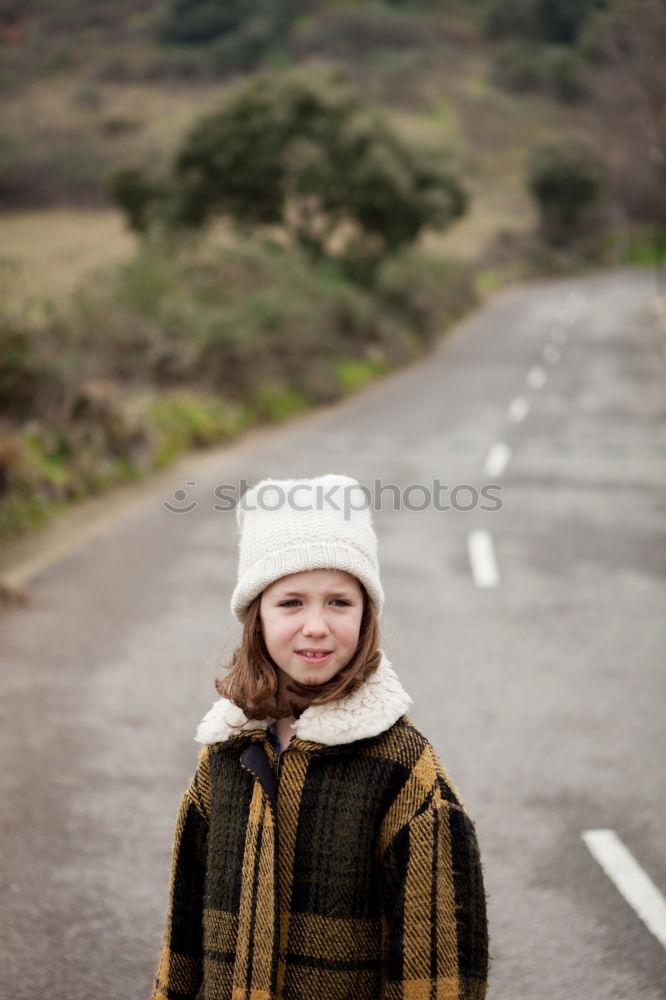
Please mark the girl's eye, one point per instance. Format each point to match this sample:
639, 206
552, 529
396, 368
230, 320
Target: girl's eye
294, 600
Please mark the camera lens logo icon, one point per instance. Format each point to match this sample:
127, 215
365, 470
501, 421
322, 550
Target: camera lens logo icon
180, 496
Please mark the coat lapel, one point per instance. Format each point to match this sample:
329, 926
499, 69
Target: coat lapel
367, 712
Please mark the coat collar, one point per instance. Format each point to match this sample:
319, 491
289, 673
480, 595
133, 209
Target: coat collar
367, 712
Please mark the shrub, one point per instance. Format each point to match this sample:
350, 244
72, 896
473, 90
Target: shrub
516, 67
559, 21
185, 345
235, 34
562, 74
32, 369
188, 419
353, 375
8, 149
426, 293
198, 21
524, 68
274, 400
565, 180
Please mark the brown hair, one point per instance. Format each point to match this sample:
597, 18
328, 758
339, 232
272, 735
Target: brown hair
252, 680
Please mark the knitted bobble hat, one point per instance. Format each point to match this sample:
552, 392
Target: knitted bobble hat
290, 525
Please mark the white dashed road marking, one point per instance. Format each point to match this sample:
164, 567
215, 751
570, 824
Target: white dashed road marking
482, 559
518, 409
629, 878
497, 459
536, 378
573, 308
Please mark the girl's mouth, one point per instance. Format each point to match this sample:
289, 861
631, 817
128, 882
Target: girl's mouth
314, 657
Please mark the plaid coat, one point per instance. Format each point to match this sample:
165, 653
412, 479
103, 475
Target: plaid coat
376, 891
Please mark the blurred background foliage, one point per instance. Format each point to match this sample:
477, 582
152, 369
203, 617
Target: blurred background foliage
305, 152
220, 212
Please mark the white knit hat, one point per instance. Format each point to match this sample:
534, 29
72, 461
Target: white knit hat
290, 525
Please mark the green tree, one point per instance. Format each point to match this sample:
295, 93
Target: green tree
302, 150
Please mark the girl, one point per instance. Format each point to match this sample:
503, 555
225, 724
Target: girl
321, 852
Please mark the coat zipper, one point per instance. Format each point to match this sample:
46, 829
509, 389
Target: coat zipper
277, 761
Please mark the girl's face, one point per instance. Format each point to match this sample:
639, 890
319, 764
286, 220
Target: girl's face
317, 610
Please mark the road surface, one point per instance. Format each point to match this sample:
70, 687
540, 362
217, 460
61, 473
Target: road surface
530, 634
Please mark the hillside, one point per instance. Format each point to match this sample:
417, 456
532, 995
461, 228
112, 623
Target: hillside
87, 88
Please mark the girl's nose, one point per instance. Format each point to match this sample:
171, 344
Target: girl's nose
315, 624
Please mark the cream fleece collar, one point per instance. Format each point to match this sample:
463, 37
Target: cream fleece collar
367, 712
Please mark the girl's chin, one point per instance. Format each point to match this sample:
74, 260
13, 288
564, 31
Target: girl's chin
308, 676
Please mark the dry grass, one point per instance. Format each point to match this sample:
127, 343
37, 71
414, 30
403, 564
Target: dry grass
46, 252
491, 212
156, 114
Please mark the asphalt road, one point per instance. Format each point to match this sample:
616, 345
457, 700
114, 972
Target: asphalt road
543, 691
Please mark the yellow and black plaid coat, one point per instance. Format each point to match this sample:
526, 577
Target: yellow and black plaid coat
352, 875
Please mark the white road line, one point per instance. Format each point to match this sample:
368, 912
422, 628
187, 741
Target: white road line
497, 459
573, 307
559, 334
482, 559
551, 354
629, 878
536, 377
518, 409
